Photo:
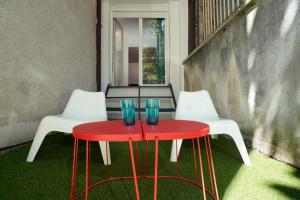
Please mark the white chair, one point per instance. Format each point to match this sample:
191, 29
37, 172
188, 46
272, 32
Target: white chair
83, 107
198, 106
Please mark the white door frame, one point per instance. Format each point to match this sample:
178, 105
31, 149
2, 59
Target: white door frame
141, 11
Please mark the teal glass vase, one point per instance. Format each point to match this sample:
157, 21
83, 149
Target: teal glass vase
152, 111
128, 111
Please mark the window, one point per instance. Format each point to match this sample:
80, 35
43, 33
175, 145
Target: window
139, 51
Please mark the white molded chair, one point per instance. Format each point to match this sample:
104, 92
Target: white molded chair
198, 106
83, 107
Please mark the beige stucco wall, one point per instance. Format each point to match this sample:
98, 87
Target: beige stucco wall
252, 71
47, 49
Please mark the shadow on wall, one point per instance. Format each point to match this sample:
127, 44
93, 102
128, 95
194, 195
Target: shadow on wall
252, 72
276, 82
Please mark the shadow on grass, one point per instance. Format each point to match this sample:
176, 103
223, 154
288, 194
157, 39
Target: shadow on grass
290, 192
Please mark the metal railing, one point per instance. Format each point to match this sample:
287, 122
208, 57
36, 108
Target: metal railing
212, 14
139, 109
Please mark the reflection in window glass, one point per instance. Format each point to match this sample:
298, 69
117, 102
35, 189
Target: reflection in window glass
153, 51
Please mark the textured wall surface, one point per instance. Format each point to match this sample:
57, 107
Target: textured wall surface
47, 49
252, 71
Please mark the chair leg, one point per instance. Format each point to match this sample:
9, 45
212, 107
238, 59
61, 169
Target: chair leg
105, 151
174, 155
37, 141
237, 137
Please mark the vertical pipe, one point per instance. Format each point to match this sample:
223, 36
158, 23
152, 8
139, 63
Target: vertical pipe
228, 8
206, 19
98, 46
224, 9
209, 17
213, 15
218, 13
203, 19
196, 26
191, 26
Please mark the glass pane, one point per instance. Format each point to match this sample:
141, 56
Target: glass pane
153, 51
118, 53
126, 51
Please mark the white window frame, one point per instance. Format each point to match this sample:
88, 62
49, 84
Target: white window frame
141, 11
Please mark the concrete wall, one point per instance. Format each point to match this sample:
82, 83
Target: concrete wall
252, 71
47, 49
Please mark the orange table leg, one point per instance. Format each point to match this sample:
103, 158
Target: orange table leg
134, 170
87, 161
195, 163
155, 168
74, 170
177, 161
212, 167
201, 170
106, 149
209, 165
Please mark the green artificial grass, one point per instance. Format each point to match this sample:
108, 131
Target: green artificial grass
49, 176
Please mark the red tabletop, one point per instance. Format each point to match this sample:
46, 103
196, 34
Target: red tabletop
174, 129
113, 131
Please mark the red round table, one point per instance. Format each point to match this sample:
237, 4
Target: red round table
109, 131
115, 131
